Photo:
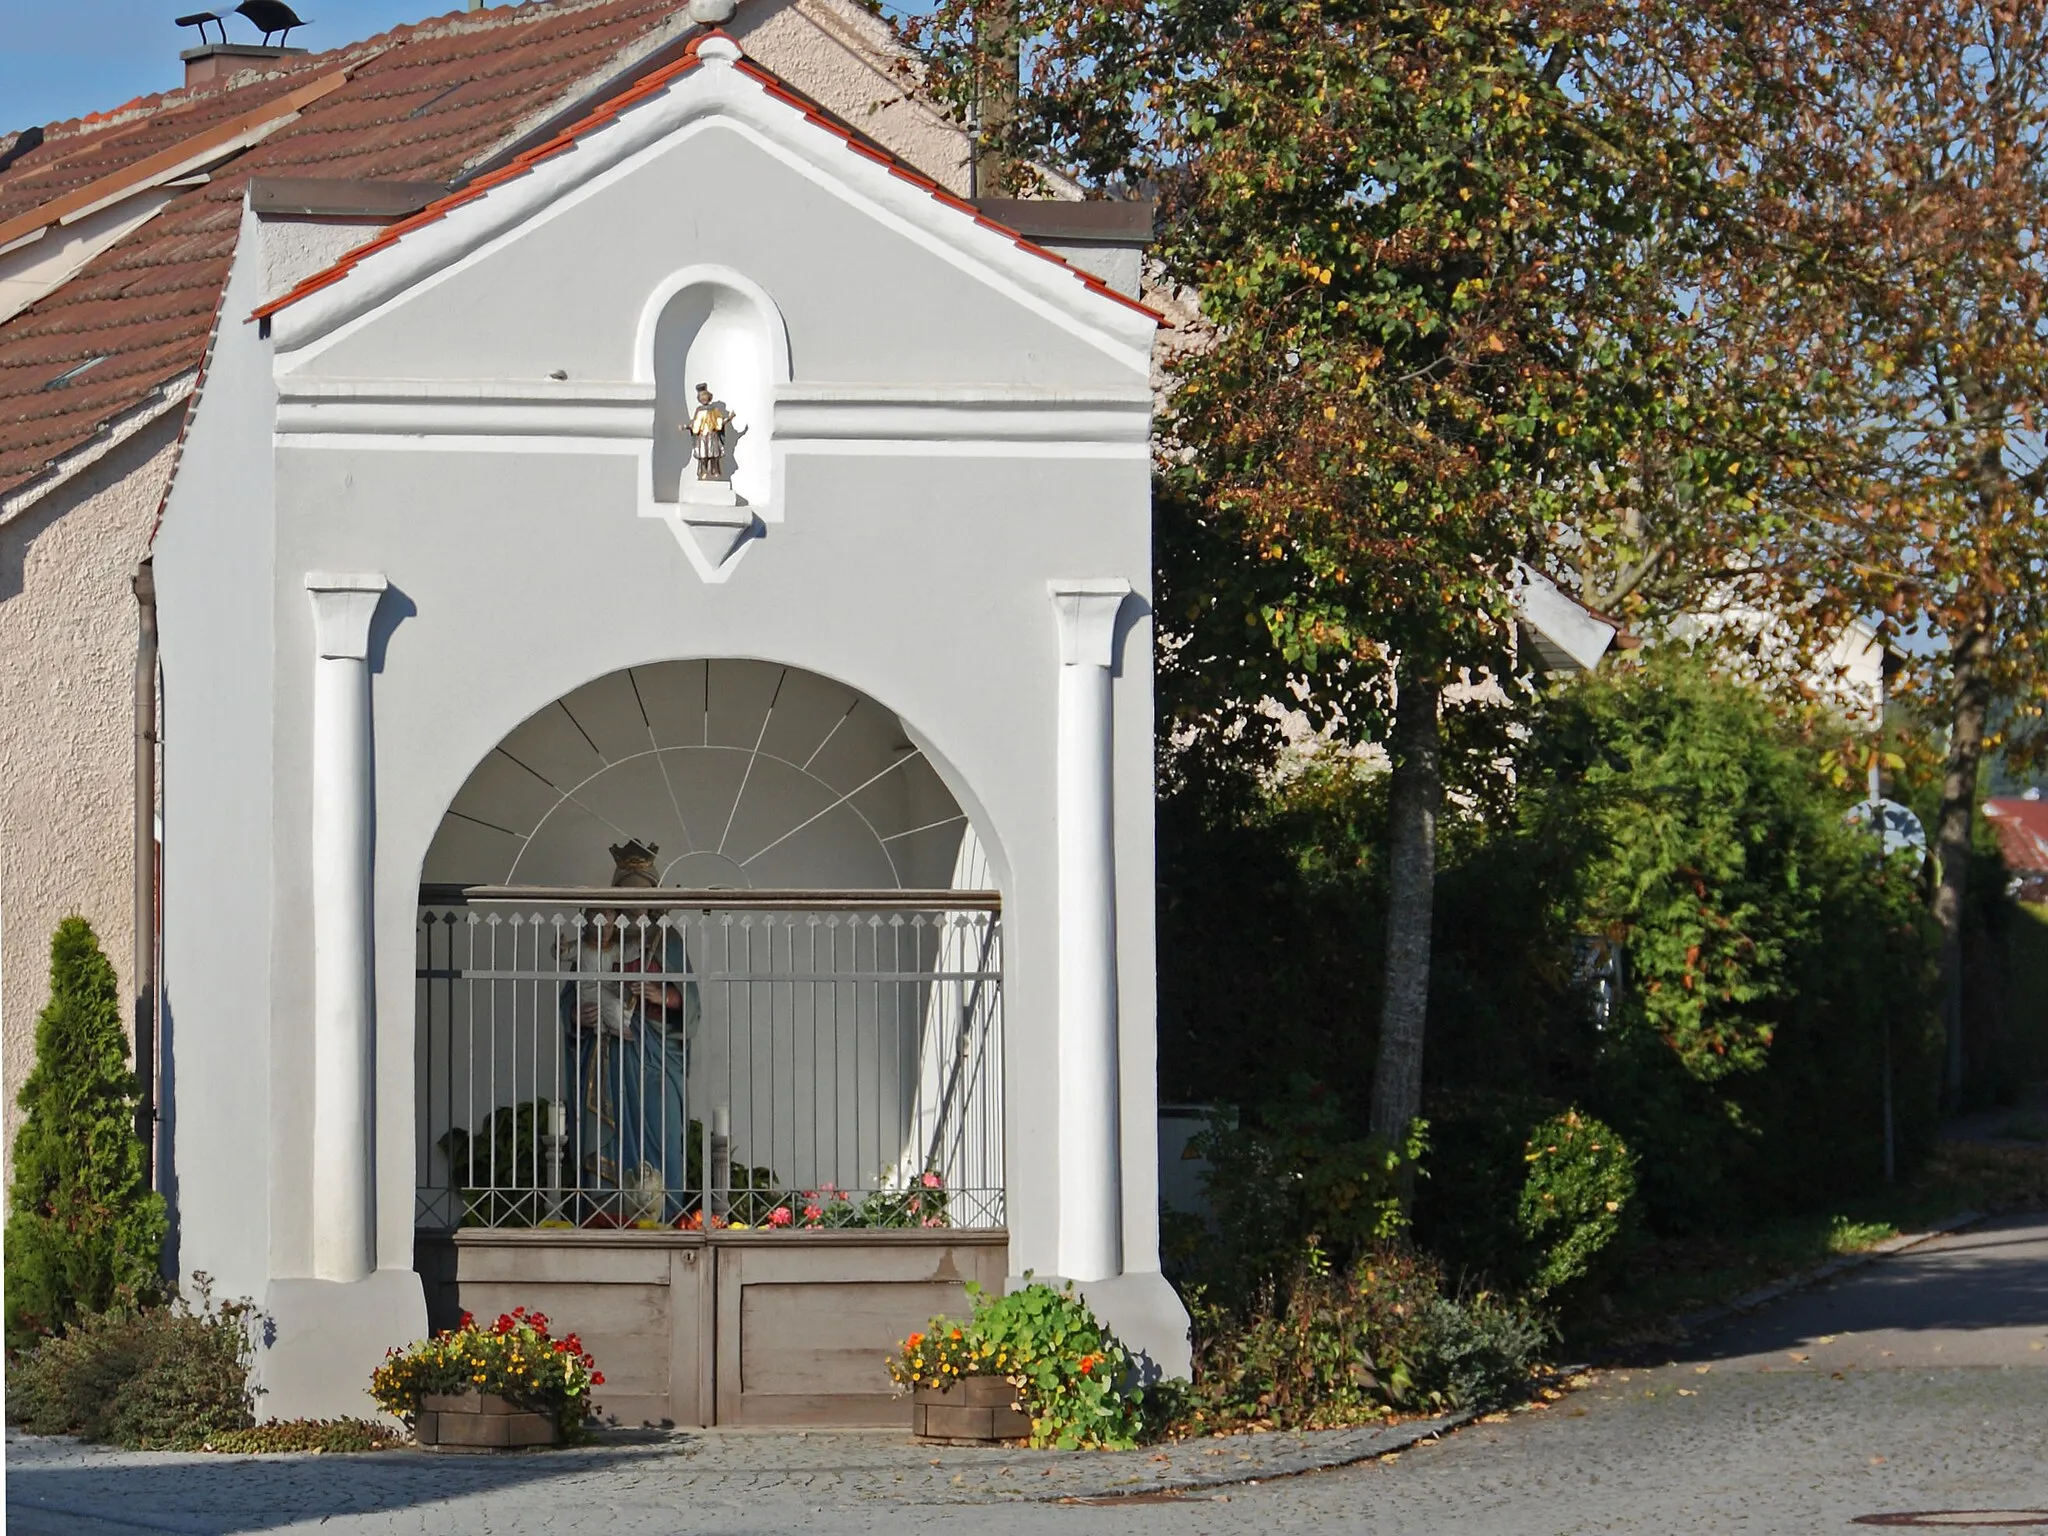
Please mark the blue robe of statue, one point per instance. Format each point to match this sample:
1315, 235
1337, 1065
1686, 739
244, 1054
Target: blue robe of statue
630, 1072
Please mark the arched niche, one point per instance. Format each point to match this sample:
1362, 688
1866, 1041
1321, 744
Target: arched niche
747, 774
712, 325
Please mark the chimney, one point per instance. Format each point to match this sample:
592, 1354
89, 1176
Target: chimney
212, 61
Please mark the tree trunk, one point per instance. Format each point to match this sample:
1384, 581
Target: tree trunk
1414, 795
1971, 702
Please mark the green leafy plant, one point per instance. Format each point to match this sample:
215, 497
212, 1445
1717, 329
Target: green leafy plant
84, 1231
154, 1378
515, 1358
1580, 1185
1296, 1172
1072, 1375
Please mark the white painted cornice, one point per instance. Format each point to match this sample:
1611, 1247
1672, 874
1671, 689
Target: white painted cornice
714, 94
828, 414
612, 415
465, 408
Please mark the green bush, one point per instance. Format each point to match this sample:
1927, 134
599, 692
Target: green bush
84, 1231
154, 1378
1580, 1185
1767, 952
1477, 1350
1332, 1345
1467, 1205
1294, 1174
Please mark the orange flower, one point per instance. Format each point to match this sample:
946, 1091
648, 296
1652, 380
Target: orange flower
1088, 1363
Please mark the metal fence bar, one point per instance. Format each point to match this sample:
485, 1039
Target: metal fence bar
621, 1059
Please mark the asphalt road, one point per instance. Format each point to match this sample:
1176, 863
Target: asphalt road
1917, 1385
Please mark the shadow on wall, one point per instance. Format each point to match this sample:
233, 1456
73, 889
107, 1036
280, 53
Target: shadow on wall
167, 1126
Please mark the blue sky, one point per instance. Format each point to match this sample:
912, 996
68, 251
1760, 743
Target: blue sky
62, 58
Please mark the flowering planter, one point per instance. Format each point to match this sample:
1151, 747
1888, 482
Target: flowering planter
480, 1421
976, 1410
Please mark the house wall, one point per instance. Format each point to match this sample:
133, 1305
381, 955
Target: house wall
225, 1105
67, 671
841, 54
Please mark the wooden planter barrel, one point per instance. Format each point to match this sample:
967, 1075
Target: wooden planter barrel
976, 1410
480, 1421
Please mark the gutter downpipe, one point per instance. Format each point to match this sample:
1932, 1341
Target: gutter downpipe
145, 865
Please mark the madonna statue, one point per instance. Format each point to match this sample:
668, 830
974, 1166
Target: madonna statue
627, 1022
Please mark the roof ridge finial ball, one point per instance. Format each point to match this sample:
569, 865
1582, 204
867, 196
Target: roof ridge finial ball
712, 13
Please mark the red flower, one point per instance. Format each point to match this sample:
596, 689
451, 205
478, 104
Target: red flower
597, 1378
469, 1319
779, 1217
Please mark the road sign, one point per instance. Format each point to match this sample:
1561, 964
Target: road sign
1901, 828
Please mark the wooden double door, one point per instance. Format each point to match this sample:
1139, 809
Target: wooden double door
735, 1328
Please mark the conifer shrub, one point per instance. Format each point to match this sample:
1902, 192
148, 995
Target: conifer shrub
84, 1231
1577, 1195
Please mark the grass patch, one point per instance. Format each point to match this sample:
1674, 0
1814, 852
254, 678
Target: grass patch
286, 1435
1666, 1279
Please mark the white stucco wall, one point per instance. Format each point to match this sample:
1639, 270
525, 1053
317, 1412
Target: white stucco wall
214, 567
67, 666
524, 562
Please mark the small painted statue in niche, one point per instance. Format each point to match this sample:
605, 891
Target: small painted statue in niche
707, 428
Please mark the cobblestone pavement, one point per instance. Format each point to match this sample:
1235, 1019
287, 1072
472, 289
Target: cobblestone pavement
1778, 1429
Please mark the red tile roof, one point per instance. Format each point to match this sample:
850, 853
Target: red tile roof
2022, 829
421, 103
650, 85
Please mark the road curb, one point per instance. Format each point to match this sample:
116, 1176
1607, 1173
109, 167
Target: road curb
1347, 1449
1692, 1322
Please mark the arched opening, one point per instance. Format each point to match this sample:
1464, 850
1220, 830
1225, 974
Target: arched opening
792, 1018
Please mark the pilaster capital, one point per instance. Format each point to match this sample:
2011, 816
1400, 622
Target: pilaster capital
343, 606
1087, 607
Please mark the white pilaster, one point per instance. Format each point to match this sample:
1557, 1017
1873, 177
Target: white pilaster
1091, 1177
344, 1119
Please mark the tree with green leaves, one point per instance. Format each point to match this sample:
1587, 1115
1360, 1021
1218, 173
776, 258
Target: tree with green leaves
84, 1230
1446, 258
1917, 192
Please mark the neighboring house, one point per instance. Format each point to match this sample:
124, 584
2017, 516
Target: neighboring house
116, 235
453, 636
2021, 825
